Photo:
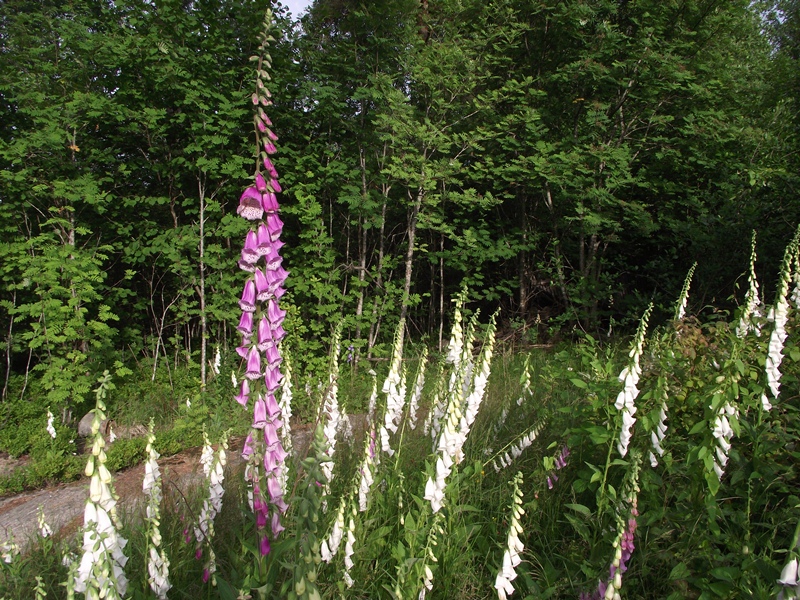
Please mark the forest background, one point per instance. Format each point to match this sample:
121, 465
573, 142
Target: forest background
567, 161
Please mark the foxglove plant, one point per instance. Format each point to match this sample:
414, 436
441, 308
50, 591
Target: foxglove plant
752, 304
516, 447
213, 468
261, 323
683, 299
9, 550
790, 575
623, 544
723, 434
658, 434
416, 390
331, 417
45, 530
391, 387
555, 465
438, 406
157, 562
796, 281
779, 315
630, 378
514, 546
100, 574
349, 548
50, 429
461, 413
525, 382
429, 558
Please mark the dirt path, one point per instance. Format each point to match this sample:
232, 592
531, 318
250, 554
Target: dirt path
63, 504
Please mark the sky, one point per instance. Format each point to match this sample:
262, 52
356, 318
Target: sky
296, 7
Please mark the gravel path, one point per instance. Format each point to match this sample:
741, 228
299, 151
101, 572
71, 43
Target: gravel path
63, 504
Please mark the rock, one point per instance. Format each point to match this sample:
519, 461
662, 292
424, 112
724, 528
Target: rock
85, 425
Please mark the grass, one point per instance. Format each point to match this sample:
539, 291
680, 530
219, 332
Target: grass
697, 537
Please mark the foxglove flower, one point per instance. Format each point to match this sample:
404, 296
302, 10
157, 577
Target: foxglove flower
416, 393
461, 413
630, 378
623, 544
391, 387
50, 429
683, 299
213, 468
514, 546
44, 529
349, 551
779, 315
100, 573
9, 550
752, 304
263, 449
157, 562
723, 434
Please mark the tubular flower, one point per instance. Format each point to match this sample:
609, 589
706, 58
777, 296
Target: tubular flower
511, 555
416, 393
157, 563
100, 573
461, 412
624, 542
752, 304
723, 434
630, 378
263, 331
50, 429
391, 387
44, 529
213, 468
683, 299
519, 446
779, 315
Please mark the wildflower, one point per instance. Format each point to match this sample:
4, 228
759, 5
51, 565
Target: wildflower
779, 315
44, 528
391, 387
416, 394
263, 449
626, 528
217, 361
349, 551
514, 546
330, 407
458, 422
9, 550
657, 435
752, 304
330, 545
525, 382
517, 448
723, 433
50, 429
630, 377
213, 468
683, 299
100, 573
157, 563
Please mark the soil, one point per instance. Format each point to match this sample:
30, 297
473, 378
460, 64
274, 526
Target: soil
63, 504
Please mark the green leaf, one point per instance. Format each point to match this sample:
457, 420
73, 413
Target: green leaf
579, 508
